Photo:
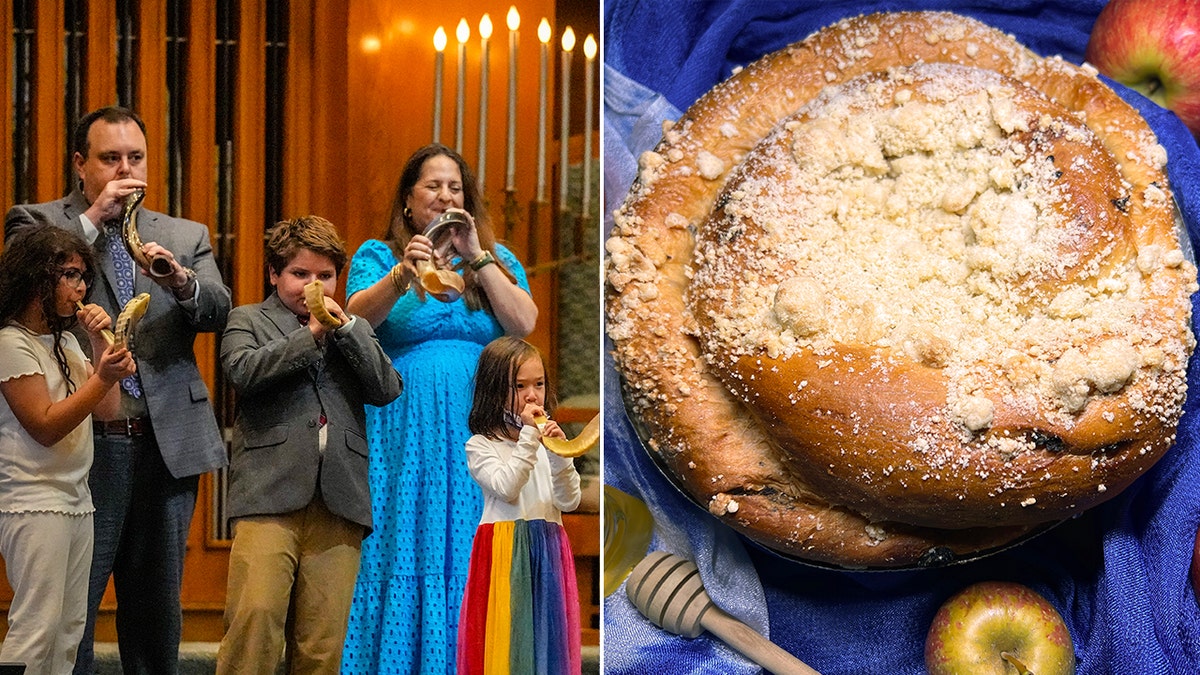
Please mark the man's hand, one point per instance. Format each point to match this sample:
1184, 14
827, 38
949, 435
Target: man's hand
110, 203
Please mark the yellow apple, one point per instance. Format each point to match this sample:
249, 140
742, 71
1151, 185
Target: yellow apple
998, 628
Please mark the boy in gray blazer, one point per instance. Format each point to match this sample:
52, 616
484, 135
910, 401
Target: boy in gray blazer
298, 490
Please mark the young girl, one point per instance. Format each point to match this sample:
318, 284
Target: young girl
520, 612
48, 391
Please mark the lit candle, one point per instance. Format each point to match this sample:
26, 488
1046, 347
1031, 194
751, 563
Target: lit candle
463, 33
510, 174
543, 37
485, 32
568, 43
589, 52
439, 43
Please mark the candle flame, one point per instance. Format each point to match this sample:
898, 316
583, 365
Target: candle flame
568, 41
589, 47
513, 19
544, 31
439, 39
485, 27
463, 32
371, 44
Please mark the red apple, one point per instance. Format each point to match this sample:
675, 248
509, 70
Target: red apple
1152, 46
1195, 571
1000, 628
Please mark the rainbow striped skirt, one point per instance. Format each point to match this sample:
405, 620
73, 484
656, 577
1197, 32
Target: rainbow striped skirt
520, 612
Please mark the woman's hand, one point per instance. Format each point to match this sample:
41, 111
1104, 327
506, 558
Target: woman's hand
419, 249
465, 238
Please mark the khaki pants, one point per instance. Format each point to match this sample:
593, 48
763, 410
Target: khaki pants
291, 577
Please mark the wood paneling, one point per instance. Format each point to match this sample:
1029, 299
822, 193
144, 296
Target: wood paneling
317, 175
150, 100
249, 163
7, 179
49, 89
200, 151
101, 77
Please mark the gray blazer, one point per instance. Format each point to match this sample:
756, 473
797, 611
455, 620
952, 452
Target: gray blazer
284, 381
176, 397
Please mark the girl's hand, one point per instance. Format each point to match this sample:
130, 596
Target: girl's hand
95, 321
552, 430
530, 412
115, 364
93, 318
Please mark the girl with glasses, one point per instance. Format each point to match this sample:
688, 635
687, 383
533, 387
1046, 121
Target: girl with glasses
48, 393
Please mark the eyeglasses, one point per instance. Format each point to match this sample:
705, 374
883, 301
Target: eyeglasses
75, 276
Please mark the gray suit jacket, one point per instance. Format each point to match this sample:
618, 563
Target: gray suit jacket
285, 381
180, 410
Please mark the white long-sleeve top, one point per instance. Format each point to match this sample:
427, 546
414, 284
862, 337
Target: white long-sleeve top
521, 480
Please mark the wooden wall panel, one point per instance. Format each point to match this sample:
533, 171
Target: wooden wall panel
200, 150
316, 176
330, 110
150, 101
49, 124
249, 162
205, 579
101, 77
298, 144
7, 179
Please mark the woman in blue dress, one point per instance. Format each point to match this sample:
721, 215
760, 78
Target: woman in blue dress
425, 505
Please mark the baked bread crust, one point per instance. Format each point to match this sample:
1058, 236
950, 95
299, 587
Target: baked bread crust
817, 411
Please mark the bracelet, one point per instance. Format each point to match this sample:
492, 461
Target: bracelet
397, 278
482, 260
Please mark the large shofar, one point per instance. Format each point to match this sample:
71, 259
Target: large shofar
444, 285
159, 266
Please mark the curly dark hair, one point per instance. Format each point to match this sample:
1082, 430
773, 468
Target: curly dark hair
30, 268
400, 227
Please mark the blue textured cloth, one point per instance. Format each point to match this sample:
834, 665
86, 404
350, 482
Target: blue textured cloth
1118, 574
425, 505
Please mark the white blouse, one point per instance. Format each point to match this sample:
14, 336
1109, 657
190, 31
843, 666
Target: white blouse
521, 480
34, 477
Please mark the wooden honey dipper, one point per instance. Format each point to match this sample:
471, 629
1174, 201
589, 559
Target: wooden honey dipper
667, 590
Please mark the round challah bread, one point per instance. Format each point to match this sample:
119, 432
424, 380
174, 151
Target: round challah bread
901, 293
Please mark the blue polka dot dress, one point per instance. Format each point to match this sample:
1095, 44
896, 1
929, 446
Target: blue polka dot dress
425, 505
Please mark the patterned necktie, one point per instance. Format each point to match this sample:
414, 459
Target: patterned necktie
123, 266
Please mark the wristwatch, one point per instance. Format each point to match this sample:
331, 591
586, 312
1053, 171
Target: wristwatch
191, 277
482, 260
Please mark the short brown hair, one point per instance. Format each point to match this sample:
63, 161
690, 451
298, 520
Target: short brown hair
112, 115
313, 233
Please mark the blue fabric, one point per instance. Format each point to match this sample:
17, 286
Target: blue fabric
1118, 574
143, 515
425, 505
